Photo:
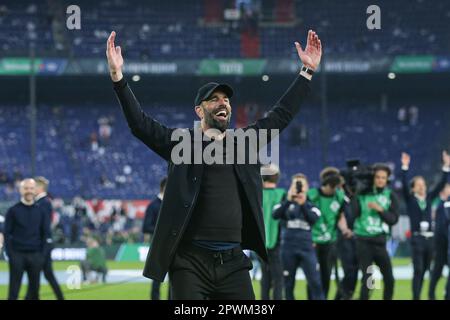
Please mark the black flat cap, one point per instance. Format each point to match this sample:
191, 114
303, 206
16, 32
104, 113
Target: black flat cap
207, 90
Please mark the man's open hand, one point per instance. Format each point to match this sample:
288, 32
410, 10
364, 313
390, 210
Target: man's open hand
313, 51
406, 159
375, 206
115, 60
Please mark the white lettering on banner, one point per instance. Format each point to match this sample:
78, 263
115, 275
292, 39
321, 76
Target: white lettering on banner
347, 66
231, 68
153, 68
60, 254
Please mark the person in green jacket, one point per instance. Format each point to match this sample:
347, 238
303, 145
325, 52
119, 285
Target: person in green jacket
95, 260
272, 272
330, 199
375, 211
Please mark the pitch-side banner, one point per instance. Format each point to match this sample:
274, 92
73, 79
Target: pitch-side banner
23, 66
225, 67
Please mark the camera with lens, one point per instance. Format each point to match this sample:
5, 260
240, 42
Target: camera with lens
358, 177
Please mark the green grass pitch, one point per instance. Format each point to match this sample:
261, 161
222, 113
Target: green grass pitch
141, 291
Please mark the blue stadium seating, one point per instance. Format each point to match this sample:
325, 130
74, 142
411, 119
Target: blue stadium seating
65, 155
176, 29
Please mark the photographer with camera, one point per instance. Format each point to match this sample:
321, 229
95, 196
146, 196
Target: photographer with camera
298, 215
418, 205
330, 200
375, 211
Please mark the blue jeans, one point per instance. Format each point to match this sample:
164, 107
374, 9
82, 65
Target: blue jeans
301, 255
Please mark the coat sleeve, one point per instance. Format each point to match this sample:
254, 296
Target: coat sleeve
155, 135
391, 215
405, 185
46, 235
438, 188
311, 213
280, 210
150, 219
8, 230
286, 108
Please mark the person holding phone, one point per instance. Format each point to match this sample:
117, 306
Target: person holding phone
298, 215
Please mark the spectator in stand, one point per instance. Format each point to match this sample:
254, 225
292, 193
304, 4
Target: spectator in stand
413, 115
4, 178
94, 142
104, 130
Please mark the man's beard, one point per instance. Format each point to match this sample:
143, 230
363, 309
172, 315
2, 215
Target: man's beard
216, 124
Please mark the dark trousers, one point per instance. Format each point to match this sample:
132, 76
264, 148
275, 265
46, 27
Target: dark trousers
304, 256
20, 262
86, 267
447, 289
272, 275
347, 254
202, 274
327, 257
422, 254
155, 290
440, 260
373, 252
154, 294
50, 276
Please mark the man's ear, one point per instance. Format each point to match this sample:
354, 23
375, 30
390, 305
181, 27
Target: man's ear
199, 111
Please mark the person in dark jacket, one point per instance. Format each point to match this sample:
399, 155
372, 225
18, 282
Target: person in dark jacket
2, 238
418, 205
27, 234
447, 214
298, 216
211, 211
42, 199
441, 224
148, 228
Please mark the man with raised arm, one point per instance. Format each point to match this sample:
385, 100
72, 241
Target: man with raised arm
210, 211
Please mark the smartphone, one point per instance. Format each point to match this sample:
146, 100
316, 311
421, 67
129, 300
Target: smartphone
299, 186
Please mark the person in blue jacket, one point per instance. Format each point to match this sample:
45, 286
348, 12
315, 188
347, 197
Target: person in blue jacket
298, 215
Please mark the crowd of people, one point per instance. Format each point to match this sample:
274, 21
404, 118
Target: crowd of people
73, 223
348, 221
307, 228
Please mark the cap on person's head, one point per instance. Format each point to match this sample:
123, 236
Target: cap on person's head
270, 169
270, 173
208, 89
42, 181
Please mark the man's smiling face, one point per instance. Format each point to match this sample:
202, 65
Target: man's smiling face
215, 111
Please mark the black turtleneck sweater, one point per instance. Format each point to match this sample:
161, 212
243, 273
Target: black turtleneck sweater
217, 216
